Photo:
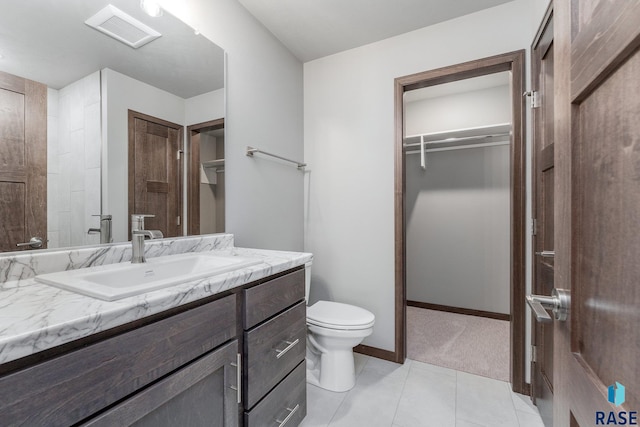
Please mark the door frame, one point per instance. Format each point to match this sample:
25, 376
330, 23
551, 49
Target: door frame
132, 115
514, 62
192, 148
539, 48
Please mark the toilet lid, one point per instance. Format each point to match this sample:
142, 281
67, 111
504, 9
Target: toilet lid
336, 315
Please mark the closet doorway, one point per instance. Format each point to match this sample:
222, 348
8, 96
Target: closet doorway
460, 217
205, 180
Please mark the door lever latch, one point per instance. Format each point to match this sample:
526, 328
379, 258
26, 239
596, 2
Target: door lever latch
558, 302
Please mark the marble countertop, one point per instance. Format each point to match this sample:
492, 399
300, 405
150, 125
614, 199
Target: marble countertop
36, 317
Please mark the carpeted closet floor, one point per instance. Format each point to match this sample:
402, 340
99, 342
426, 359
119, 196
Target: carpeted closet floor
477, 345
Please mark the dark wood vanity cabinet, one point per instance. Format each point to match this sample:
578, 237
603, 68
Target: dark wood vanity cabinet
133, 374
178, 368
202, 393
274, 370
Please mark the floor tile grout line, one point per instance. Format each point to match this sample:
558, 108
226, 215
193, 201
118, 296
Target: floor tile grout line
404, 384
513, 403
366, 361
455, 402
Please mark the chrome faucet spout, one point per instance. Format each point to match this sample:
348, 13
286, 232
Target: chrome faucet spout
138, 235
149, 234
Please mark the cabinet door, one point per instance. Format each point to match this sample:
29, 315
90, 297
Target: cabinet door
202, 393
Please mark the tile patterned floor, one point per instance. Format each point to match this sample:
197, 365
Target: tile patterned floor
417, 394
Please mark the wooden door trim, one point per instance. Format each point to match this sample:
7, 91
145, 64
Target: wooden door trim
541, 160
192, 148
132, 115
514, 62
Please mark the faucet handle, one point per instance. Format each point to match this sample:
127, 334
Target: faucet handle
137, 221
103, 217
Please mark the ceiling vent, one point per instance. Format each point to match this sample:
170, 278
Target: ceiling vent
122, 27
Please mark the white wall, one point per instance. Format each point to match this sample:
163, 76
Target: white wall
482, 107
73, 162
457, 210
349, 145
205, 107
264, 197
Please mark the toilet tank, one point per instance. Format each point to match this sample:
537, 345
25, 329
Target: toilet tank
307, 281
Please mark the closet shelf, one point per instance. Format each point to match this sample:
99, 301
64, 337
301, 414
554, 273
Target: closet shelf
459, 137
218, 163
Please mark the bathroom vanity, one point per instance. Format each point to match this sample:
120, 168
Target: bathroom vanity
223, 351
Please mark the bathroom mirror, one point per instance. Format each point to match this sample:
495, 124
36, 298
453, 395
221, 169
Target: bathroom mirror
93, 81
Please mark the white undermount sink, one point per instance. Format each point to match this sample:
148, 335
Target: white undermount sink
116, 281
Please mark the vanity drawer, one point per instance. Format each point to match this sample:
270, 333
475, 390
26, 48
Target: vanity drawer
73, 386
288, 399
265, 300
272, 350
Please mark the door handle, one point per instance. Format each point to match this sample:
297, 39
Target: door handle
238, 386
558, 302
35, 243
546, 254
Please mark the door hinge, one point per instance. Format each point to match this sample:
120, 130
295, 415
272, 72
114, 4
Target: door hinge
534, 227
178, 220
534, 97
179, 154
534, 354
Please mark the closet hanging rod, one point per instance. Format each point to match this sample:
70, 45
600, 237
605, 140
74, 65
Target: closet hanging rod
460, 147
251, 151
459, 139
497, 128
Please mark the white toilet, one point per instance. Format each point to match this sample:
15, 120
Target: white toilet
333, 329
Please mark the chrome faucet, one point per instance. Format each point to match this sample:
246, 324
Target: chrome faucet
104, 230
138, 234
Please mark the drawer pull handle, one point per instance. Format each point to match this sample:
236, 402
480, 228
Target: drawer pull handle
291, 412
287, 348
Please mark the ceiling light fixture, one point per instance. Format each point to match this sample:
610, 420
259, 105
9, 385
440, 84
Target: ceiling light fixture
151, 8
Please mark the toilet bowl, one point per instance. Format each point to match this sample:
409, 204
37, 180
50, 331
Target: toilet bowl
333, 329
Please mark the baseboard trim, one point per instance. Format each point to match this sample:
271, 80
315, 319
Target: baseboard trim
375, 352
467, 311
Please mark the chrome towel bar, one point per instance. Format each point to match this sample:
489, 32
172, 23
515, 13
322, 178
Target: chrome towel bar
251, 151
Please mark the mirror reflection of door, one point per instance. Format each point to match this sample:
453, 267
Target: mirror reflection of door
23, 162
155, 172
87, 128
206, 186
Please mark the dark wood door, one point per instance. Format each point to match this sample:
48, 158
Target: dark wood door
155, 172
543, 211
598, 210
23, 162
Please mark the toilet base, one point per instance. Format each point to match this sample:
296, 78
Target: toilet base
333, 371
330, 355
